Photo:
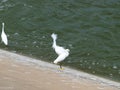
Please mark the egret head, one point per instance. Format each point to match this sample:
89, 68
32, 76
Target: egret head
54, 36
3, 23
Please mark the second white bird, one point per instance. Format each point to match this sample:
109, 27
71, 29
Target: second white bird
4, 36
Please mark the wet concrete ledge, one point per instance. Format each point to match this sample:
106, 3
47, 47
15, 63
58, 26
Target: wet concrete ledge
71, 76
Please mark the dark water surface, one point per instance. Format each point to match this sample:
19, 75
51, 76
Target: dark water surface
89, 28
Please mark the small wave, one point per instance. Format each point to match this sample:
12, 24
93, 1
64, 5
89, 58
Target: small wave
3, 1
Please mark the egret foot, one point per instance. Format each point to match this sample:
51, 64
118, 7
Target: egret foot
61, 68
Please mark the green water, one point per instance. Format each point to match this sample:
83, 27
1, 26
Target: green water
89, 28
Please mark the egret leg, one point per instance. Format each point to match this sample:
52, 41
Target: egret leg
61, 68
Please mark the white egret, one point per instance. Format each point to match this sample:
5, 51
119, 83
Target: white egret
61, 51
4, 36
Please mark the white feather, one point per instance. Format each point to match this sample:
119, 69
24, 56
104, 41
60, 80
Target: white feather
4, 36
61, 57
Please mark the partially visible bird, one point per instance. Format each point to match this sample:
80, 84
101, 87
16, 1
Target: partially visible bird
4, 36
61, 51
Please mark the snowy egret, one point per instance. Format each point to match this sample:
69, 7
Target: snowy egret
4, 36
61, 51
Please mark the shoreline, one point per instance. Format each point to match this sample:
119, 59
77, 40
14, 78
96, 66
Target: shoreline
70, 76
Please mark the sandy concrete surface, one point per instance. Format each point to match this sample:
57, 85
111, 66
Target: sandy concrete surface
17, 73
